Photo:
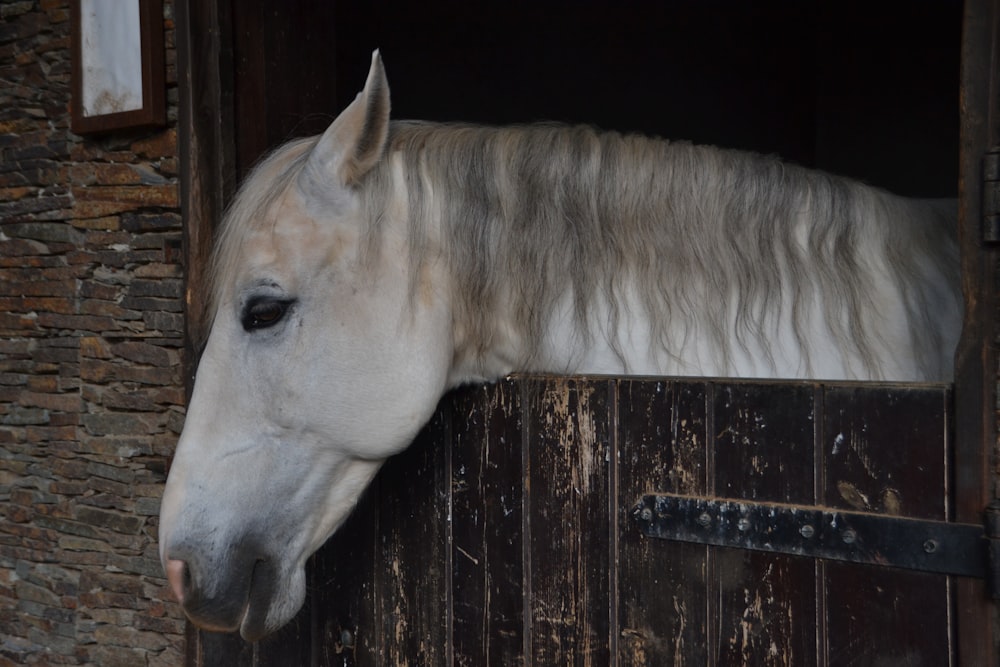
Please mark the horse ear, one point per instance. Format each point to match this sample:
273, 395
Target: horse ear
355, 140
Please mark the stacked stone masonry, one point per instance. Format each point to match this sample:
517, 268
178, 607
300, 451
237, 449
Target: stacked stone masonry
91, 346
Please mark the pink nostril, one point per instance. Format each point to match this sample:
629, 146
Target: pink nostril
176, 574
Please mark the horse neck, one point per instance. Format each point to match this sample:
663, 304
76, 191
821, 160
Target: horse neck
525, 296
487, 343
530, 293
507, 319
611, 341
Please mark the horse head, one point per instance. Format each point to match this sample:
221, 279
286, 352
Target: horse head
322, 360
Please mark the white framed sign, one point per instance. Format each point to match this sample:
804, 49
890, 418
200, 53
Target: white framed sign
118, 79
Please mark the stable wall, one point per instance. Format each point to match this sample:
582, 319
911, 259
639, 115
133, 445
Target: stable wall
91, 380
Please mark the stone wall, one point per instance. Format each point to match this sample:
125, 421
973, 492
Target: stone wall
91, 382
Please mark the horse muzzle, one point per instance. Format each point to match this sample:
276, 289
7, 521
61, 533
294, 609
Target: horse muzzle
234, 592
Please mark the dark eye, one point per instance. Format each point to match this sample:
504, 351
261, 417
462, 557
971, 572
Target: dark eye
263, 313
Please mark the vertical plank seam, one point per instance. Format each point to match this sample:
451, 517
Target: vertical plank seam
712, 592
614, 437
525, 391
449, 573
951, 602
378, 580
819, 484
819, 463
949, 457
312, 585
950, 469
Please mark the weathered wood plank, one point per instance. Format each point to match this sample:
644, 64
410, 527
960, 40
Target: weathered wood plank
345, 606
763, 442
217, 648
767, 609
284, 77
763, 451
887, 617
885, 450
413, 557
567, 498
662, 611
289, 646
487, 517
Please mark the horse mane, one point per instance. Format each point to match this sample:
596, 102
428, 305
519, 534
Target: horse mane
532, 215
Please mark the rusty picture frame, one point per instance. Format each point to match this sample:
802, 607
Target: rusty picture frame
117, 65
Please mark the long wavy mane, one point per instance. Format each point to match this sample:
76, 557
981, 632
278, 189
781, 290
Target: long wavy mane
725, 243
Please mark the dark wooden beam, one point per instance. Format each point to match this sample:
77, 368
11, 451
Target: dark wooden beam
975, 362
205, 129
207, 173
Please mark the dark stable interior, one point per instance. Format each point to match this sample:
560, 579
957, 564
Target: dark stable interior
869, 90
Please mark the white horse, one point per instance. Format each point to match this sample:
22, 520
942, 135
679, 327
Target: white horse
360, 275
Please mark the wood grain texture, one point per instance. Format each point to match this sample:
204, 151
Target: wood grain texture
567, 495
661, 586
284, 72
345, 605
487, 526
764, 451
885, 450
880, 616
412, 558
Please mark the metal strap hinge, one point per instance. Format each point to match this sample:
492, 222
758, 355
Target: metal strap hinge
818, 532
991, 196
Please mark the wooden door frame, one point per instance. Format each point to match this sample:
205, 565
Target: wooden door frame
975, 359
207, 174
206, 138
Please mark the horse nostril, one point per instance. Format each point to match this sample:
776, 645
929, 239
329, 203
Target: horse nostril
179, 578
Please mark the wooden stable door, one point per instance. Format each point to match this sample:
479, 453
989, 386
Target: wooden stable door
510, 533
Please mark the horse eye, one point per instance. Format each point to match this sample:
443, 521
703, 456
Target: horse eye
263, 313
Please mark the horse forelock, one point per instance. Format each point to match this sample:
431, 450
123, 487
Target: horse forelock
246, 214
